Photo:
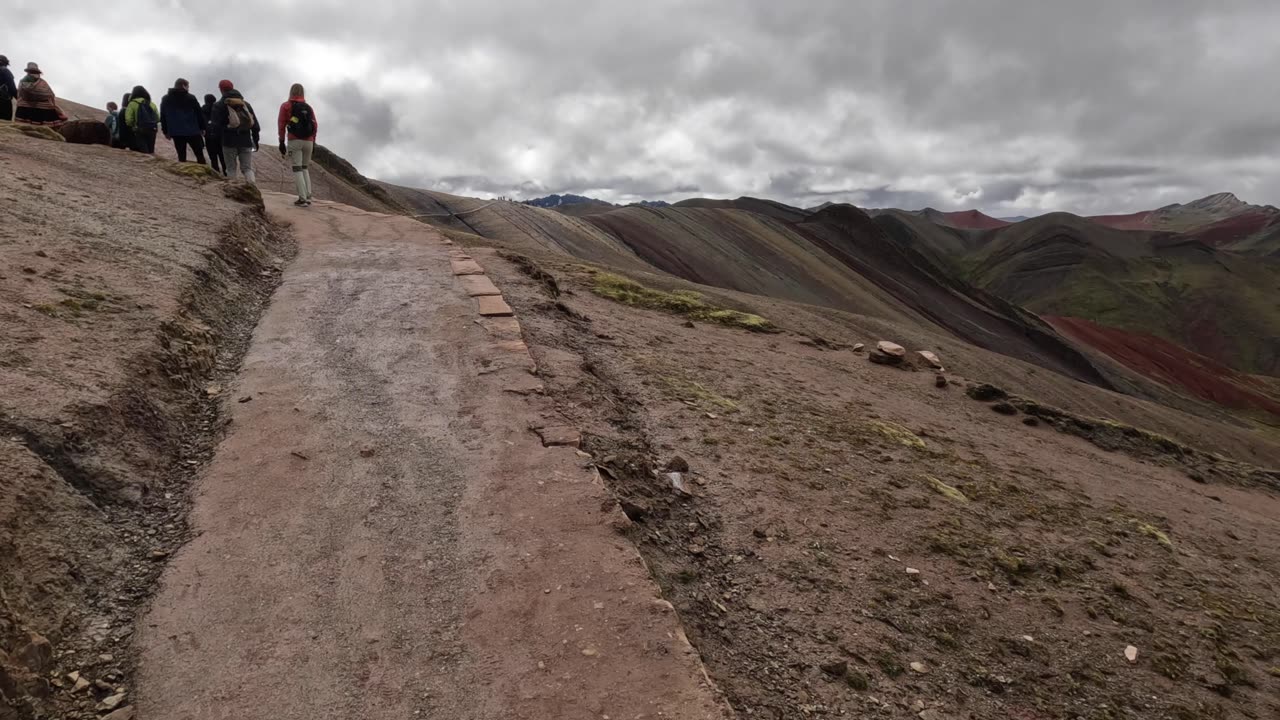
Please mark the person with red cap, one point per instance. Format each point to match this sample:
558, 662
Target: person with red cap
298, 120
236, 124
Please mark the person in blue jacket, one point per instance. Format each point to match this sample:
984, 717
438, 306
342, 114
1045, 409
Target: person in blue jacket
182, 120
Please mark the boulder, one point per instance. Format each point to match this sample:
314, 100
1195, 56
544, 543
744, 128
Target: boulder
1005, 408
677, 464
887, 353
86, 132
987, 393
893, 349
929, 359
635, 509
37, 654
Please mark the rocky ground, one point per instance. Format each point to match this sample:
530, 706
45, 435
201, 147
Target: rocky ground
127, 292
842, 528
848, 538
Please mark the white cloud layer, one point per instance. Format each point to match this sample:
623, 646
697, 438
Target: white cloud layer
1010, 106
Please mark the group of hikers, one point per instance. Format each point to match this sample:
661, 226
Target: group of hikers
226, 126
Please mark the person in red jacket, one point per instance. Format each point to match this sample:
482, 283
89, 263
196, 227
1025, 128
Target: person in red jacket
298, 122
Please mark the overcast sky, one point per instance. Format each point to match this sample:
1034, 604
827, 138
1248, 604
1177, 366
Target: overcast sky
1008, 106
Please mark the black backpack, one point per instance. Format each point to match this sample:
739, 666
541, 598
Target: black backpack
302, 121
146, 117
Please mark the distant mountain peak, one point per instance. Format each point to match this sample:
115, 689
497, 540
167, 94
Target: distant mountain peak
1218, 201
554, 201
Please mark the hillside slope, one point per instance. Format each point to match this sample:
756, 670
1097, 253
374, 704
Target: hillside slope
900, 269
1222, 220
127, 289
1215, 303
859, 542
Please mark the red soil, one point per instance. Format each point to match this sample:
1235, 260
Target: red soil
973, 220
1233, 228
1132, 221
1167, 362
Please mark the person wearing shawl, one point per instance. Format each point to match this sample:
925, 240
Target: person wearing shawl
36, 102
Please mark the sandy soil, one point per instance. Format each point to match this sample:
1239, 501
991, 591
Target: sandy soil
859, 542
382, 534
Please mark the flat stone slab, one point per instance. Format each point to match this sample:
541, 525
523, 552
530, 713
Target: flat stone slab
503, 328
559, 436
477, 285
466, 267
511, 346
494, 306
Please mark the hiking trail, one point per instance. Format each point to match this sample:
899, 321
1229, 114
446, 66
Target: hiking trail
382, 533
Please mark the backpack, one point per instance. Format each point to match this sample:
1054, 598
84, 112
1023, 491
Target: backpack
302, 120
146, 116
239, 118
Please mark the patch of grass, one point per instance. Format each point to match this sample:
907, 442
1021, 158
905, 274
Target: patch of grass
199, 171
35, 131
1170, 665
858, 681
680, 302
244, 193
1154, 532
890, 665
698, 394
945, 490
1234, 674
1012, 566
896, 433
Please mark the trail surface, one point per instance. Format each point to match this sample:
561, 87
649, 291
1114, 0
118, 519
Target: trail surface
381, 534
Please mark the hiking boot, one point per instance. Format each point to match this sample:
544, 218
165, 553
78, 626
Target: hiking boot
301, 203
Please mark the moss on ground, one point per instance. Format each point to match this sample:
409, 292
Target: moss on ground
35, 131
945, 490
199, 171
680, 302
697, 393
244, 193
1154, 532
895, 433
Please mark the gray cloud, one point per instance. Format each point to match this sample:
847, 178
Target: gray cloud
1012, 107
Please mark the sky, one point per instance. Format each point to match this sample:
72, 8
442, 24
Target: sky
1008, 106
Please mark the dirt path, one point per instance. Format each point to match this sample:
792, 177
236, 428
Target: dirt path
380, 534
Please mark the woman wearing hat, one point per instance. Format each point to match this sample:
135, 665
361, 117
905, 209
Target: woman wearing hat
36, 103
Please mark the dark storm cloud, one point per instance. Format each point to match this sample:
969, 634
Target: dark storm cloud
1010, 106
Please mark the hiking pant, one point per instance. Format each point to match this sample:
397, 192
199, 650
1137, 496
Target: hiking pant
6, 109
215, 155
242, 156
196, 142
300, 156
144, 141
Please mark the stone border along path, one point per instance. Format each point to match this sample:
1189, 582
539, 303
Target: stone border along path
398, 524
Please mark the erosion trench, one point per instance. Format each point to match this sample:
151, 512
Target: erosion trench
398, 523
